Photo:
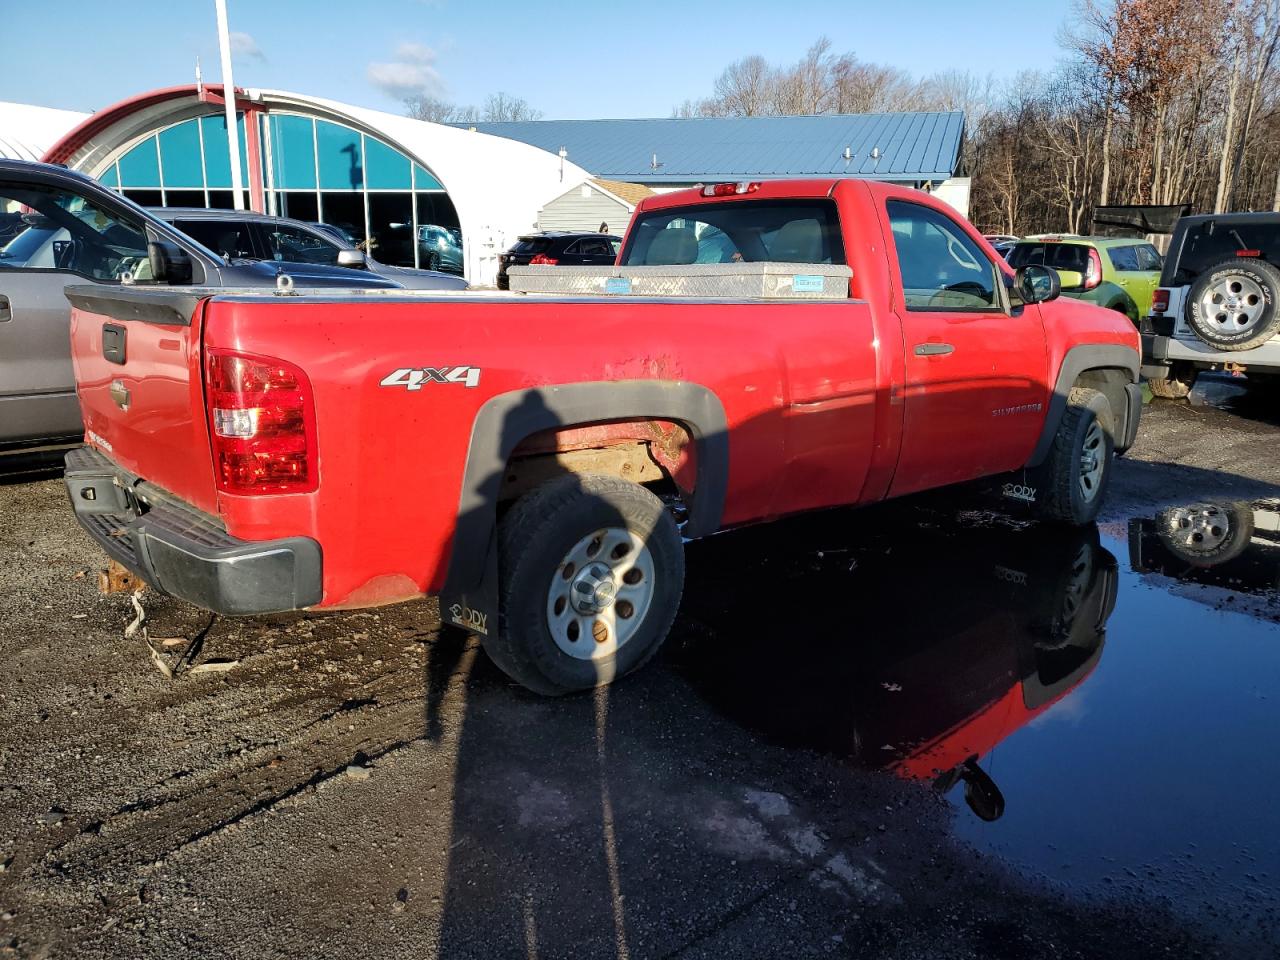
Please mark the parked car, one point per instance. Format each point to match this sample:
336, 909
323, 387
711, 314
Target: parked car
995, 239
72, 230
552, 247
1216, 306
567, 446
246, 235
1116, 273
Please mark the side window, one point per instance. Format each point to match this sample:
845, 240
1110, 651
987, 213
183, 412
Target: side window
1149, 258
574, 248
1124, 258
941, 267
295, 245
593, 247
52, 228
227, 238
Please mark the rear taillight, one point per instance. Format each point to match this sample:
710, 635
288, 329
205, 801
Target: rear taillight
1093, 275
543, 259
1160, 301
261, 424
729, 189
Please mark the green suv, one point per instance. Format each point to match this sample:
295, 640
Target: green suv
1118, 273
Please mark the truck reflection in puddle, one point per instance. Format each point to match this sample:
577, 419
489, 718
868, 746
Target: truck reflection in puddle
1220, 544
917, 651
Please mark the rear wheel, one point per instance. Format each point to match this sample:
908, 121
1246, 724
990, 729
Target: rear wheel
1177, 385
1072, 481
1233, 306
592, 570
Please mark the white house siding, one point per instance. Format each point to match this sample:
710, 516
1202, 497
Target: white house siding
573, 211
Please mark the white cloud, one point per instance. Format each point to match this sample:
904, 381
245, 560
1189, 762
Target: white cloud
244, 46
412, 72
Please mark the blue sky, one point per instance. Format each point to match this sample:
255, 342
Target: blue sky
570, 60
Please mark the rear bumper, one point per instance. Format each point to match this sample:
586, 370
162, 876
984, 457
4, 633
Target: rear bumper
1160, 351
184, 552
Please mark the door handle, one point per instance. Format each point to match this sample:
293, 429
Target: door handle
933, 349
6, 309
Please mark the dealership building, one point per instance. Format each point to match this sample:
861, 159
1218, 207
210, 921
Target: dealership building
383, 177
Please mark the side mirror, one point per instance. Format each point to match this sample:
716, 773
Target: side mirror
352, 258
169, 262
1036, 284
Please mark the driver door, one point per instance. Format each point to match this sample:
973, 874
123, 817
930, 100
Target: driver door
975, 390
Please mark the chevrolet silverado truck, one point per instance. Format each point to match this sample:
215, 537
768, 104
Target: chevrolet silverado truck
537, 461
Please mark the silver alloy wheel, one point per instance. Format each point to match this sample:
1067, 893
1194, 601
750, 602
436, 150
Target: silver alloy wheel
600, 592
1093, 462
1234, 304
1199, 528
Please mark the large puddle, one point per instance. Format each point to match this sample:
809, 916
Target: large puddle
1101, 705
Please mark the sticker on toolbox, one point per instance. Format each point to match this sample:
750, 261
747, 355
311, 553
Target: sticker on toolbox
807, 283
617, 285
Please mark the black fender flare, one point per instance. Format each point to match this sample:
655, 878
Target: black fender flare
469, 597
1089, 356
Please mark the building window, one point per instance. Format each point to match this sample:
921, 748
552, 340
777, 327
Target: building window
314, 171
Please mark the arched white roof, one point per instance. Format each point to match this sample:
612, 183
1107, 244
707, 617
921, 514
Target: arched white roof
497, 185
26, 132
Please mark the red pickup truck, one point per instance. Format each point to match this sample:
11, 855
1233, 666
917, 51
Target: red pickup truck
536, 460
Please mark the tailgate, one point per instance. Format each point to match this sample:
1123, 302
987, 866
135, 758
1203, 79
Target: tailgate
136, 354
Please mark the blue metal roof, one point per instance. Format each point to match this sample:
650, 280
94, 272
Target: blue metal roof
912, 146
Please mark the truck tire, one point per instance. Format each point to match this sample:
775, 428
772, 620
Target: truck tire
1233, 306
592, 570
1073, 479
1177, 385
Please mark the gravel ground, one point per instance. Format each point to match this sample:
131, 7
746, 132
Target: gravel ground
362, 785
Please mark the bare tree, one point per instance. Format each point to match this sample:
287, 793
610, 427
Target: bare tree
497, 106
504, 106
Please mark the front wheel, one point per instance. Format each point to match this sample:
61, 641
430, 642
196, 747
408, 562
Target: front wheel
1073, 479
592, 570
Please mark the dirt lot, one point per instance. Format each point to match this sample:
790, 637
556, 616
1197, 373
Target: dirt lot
360, 785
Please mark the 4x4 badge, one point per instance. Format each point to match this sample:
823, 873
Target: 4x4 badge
413, 378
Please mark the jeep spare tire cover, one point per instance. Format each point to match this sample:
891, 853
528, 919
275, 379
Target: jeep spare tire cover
1233, 305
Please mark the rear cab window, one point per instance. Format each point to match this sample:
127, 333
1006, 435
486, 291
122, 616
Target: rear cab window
751, 231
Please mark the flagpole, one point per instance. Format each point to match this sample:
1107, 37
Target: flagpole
229, 97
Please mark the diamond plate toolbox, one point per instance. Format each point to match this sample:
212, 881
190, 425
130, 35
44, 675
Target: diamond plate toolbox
737, 281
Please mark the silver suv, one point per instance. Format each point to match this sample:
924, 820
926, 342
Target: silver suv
59, 227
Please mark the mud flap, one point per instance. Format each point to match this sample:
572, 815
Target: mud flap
1019, 488
474, 608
